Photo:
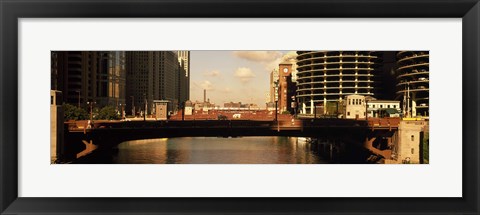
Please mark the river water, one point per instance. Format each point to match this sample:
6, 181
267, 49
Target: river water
213, 150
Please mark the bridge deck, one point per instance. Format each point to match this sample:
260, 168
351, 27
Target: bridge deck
372, 123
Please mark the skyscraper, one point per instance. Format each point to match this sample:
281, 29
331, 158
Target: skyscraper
154, 75
115, 79
273, 89
413, 81
184, 56
183, 76
327, 76
85, 76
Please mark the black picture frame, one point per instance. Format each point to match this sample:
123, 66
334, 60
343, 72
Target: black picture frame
12, 10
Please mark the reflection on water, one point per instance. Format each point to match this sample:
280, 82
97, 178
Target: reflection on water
212, 150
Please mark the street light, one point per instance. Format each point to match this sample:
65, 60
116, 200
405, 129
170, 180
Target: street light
121, 113
182, 104
91, 111
294, 106
408, 99
145, 112
133, 105
276, 99
366, 109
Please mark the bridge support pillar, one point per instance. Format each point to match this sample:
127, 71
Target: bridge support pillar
89, 148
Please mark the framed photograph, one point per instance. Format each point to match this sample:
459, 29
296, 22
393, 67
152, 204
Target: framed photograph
255, 107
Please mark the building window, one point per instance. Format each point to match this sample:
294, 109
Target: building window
394, 106
412, 138
51, 100
348, 113
412, 150
388, 106
373, 106
349, 101
381, 106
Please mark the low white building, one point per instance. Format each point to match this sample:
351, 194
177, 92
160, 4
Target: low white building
203, 107
374, 106
354, 107
161, 109
188, 108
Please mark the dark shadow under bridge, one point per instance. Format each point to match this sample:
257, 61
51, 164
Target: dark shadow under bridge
109, 134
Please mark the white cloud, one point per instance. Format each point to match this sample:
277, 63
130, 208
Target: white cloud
244, 74
288, 57
207, 85
258, 56
213, 73
270, 59
204, 85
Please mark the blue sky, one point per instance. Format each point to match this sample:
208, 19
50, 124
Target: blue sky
237, 76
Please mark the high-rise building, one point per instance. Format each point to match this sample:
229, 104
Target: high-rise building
68, 74
140, 83
273, 88
110, 78
184, 59
168, 67
384, 78
183, 76
413, 82
153, 75
54, 74
287, 87
184, 56
85, 76
116, 79
328, 76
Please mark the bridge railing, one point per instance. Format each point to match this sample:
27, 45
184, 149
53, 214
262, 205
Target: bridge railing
295, 123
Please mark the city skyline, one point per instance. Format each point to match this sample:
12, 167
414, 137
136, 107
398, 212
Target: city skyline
112, 97
134, 80
128, 81
234, 76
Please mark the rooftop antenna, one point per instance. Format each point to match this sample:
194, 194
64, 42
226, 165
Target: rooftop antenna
405, 102
408, 99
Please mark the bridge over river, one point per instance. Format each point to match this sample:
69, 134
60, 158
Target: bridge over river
81, 140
